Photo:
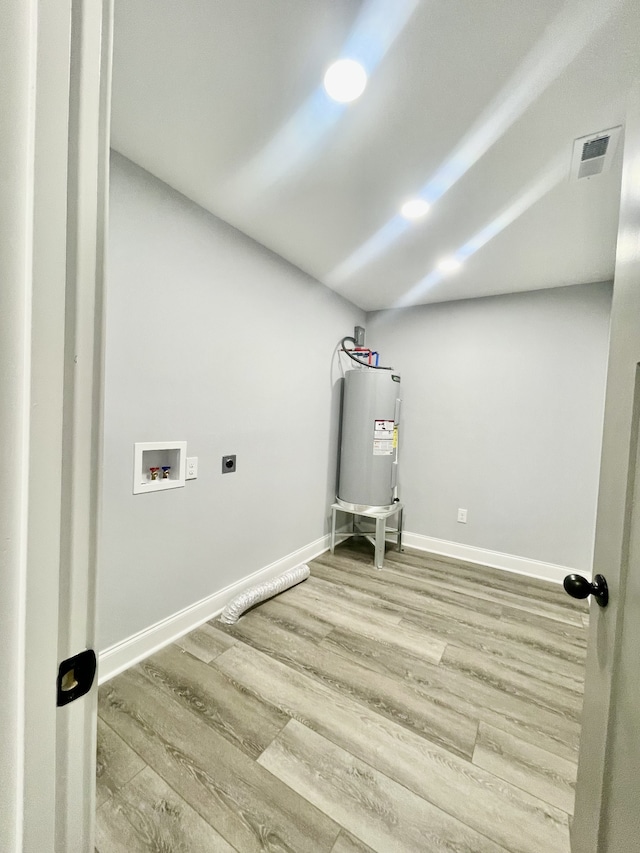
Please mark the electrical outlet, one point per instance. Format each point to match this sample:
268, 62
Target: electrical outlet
192, 468
462, 516
229, 464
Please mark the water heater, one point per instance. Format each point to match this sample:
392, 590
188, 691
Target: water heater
369, 446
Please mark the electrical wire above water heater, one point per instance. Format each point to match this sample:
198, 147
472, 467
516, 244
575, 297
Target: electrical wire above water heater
359, 352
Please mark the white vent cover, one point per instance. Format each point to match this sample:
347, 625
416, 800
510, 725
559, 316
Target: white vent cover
593, 154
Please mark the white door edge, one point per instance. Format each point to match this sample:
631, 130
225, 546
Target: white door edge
603, 669
39, 150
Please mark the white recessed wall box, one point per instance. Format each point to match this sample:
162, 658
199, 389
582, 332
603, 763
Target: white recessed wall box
158, 465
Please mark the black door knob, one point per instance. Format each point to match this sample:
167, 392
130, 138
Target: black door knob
579, 587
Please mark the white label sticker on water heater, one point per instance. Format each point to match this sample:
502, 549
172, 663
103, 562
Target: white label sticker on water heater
383, 438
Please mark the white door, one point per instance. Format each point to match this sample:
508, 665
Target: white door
607, 813
55, 72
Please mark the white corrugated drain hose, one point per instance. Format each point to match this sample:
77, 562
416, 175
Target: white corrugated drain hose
260, 592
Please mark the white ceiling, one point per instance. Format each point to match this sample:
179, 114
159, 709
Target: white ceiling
222, 100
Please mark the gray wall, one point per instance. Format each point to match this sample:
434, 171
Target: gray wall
503, 403
213, 340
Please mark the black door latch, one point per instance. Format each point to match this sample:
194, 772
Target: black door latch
75, 677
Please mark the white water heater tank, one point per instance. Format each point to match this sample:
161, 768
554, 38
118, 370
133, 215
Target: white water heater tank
369, 443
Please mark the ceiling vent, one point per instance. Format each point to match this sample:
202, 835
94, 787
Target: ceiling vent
593, 154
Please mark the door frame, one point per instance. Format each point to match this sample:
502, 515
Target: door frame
54, 126
55, 61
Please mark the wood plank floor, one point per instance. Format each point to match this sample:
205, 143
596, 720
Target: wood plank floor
431, 706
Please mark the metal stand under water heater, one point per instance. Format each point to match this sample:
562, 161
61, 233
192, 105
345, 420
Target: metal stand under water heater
367, 485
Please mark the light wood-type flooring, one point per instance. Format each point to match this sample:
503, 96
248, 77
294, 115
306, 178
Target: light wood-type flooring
430, 706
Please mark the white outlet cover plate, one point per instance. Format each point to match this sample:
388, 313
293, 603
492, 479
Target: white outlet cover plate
192, 468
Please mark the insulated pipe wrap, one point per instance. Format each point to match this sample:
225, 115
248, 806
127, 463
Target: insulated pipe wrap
262, 591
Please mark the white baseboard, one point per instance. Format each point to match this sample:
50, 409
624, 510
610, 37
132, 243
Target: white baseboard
125, 654
495, 559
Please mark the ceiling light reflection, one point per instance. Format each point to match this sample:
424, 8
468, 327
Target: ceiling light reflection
415, 208
449, 265
377, 26
345, 80
531, 194
566, 36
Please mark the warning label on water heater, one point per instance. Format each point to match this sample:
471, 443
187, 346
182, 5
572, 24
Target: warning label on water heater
383, 438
